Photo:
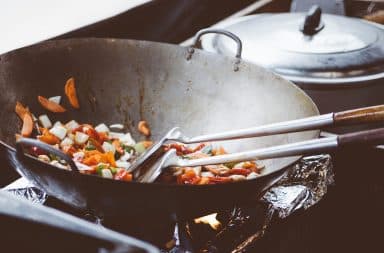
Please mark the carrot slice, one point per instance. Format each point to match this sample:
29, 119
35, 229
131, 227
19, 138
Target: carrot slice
50, 105
144, 128
26, 131
21, 110
147, 144
70, 91
47, 137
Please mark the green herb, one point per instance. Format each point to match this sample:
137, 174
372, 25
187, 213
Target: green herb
99, 168
90, 147
230, 165
53, 157
128, 149
113, 170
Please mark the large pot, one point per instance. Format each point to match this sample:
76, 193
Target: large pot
337, 60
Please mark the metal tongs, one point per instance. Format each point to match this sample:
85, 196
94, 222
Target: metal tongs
155, 161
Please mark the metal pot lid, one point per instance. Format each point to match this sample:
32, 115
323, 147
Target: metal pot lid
307, 47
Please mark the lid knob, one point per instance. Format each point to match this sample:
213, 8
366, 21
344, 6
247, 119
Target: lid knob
312, 22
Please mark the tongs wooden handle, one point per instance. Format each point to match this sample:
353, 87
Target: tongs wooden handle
363, 138
350, 117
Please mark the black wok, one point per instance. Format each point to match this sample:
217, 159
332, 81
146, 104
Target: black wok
124, 81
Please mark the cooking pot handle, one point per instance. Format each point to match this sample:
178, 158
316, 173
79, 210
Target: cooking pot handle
239, 44
45, 147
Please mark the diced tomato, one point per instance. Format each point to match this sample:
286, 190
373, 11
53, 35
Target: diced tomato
238, 171
103, 137
117, 145
70, 150
198, 147
189, 177
123, 175
180, 148
218, 180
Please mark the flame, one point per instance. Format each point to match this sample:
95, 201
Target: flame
210, 220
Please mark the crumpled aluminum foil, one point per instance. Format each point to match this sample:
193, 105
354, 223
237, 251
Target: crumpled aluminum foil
304, 184
23, 188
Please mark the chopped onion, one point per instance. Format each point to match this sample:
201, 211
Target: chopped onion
237, 177
106, 173
57, 123
207, 174
44, 121
66, 142
125, 157
122, 164
71, 136
117, 126
197, 170
78, 156
55, 99
127, 139
59, 165
81, 138
252, 175
108, 147
44, 158
102, 128
72, 125
115, 135
58, 131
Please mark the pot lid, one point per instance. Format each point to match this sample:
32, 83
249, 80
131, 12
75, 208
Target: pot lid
307, 47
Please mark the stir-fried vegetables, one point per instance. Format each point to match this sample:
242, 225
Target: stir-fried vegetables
97, 150
209, 174
102, 153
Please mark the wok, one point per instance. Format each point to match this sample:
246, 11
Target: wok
125, 81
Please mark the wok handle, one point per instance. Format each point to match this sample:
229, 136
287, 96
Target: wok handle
362, 138
45, 147
361, 115
239, 44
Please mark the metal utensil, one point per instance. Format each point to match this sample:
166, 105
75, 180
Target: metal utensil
171, 159
355, 116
